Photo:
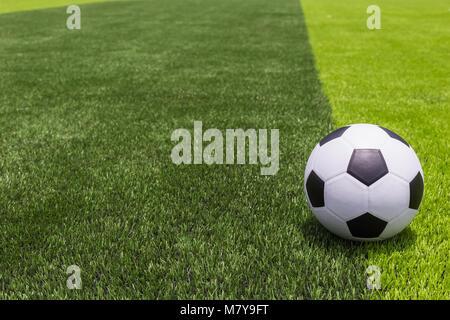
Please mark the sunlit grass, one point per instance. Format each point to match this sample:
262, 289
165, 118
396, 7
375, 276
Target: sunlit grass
397, 77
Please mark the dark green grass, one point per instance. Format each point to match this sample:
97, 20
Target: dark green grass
86, 176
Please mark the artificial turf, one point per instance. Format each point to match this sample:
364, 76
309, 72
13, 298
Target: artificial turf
397, 77
86, 176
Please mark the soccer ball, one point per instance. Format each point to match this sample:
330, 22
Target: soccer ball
364, 182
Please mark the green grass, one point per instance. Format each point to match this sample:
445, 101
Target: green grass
397, 77
20, 5
85, 171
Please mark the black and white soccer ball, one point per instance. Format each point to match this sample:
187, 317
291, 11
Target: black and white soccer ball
364, 182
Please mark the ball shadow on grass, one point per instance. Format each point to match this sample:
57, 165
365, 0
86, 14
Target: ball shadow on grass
399, 242
312, 229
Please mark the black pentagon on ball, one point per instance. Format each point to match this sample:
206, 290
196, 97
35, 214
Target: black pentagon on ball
367, 165
366, 226
416, 191
333, 135
315, 188
395, 136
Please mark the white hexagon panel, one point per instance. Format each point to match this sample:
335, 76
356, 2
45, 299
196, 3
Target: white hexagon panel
398, 224
365, 136
331, 222
401, 159
388, 197
346, 197
341, 152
